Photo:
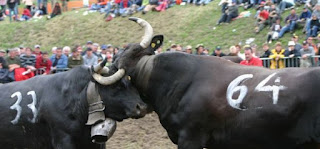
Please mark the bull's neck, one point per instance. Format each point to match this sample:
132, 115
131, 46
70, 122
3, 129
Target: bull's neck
143, 71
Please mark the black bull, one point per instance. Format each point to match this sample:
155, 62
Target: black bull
210, 102
51, 111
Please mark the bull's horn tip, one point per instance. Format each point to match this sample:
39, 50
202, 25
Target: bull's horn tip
133, 19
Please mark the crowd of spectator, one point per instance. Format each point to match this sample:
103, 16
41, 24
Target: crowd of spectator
9, 8
114, 8
275, 56
24, 62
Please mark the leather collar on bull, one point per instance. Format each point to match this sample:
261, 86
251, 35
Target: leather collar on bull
102, 128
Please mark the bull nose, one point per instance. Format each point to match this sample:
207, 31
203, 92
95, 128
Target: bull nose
141, 109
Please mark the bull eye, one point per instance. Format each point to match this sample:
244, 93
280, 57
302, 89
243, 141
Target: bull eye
129, 78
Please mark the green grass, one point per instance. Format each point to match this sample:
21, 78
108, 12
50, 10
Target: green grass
186, 25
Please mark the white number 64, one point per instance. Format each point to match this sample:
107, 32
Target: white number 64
234, 87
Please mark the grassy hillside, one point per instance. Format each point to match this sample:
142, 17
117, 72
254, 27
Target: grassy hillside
181, 25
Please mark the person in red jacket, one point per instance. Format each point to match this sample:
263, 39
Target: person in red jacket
250, 59
26, 15
43, 64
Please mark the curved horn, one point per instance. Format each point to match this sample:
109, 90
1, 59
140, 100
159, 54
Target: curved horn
100, 66
148, 31
109, 80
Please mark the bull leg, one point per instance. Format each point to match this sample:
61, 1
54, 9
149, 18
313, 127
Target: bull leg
188, 140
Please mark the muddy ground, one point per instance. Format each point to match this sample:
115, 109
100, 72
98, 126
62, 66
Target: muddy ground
145, 133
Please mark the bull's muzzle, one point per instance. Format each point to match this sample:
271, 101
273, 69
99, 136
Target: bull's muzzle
101, 132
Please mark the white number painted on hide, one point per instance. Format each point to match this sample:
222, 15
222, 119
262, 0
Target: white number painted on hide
16, 106
275, 88
233, 87
32, 106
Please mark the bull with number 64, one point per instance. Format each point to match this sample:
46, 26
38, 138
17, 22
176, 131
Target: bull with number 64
77, 109
209, 102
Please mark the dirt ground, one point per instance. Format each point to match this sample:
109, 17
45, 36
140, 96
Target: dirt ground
144, 133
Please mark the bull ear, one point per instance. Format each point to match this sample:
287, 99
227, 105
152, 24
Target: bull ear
156, 42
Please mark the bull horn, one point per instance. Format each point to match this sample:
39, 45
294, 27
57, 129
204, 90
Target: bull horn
109, 80
148, 31
100, 66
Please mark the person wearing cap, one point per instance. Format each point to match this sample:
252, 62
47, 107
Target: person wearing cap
231, 13
13, 60
266, 51
59, 61
37, 50
306, 55
218, 52
43, 64
173, 48
3, 53
188, 49
90, 59
304, 16
292, 53
199, 49
290, 23
277, 56
311, 44
76, 59
250, 60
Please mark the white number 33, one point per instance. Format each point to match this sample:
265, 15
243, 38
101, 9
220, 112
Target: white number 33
16, 106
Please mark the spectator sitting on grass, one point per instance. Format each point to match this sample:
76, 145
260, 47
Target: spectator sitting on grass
274, 33
290, 23
314, 26
274, 14
231, 13
56, 10
44, 63
26, 15
39, 12
285, 4
151, 6
304, 16
262, 19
